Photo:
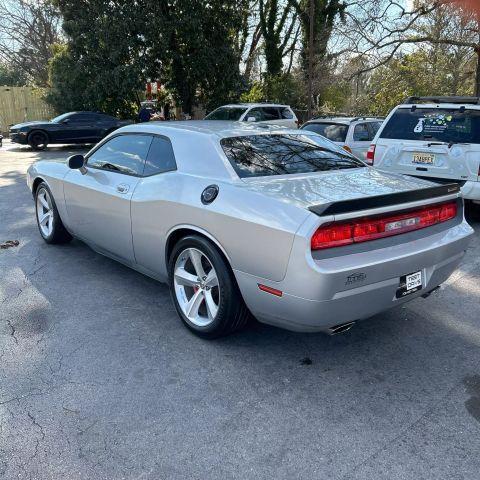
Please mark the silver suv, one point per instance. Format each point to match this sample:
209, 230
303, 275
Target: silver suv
354, 134
271, 113
433, 137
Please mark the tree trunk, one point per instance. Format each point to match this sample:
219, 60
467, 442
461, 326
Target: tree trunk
477, 74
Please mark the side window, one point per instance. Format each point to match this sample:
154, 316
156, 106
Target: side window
361, 133
160, 157
374, 127
84, 118
286, 113
75, 118
255, 112
123, 154
271, 113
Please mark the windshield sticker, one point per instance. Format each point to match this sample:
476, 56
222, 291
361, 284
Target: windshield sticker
433, 123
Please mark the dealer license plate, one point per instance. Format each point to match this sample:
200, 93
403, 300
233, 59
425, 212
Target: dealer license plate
410, 284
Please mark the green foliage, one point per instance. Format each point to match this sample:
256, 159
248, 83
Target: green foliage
286, 88
419, 73
112, 52
11, 76
335, 96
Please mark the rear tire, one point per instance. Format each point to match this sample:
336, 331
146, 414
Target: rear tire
38, 140
204, 290
49, 222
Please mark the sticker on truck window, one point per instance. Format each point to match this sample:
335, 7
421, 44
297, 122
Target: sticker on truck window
433, 123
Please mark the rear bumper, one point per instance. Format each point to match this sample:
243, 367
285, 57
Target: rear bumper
471, 191
318, 294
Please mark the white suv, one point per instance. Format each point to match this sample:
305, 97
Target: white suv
271, 113
432, 137
354, 134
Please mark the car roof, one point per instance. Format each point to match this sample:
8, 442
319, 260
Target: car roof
452, 106
211, 128
246, 105
344, 120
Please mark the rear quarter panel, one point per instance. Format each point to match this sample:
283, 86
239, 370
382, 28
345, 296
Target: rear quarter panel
255, 232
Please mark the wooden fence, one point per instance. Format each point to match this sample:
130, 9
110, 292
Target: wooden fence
22, 104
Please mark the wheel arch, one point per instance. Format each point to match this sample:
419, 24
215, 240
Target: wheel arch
38, 180
180, 231
35, 130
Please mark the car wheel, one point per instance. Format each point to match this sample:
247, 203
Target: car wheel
48, 220
38, 140
204, 290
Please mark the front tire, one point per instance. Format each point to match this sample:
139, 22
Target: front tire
38, 140
204, 290
48, 220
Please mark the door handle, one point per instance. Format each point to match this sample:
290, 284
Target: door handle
122, 188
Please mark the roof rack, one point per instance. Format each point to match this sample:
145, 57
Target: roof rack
451, 99
355, 119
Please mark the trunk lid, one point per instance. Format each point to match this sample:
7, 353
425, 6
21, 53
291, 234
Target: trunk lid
335, 186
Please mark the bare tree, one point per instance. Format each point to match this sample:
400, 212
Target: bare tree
377, 30
28, 29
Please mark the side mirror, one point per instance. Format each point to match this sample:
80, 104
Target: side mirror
77, 162
251, 119
67, 120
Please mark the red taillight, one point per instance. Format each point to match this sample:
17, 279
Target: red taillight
372, 228
371, 154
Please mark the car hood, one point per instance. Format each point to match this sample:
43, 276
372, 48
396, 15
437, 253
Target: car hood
28, 124
326, 187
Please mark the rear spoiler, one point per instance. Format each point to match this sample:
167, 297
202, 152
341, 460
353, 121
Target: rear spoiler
378, 201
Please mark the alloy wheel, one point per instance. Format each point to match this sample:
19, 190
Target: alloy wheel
44, 212
196, 286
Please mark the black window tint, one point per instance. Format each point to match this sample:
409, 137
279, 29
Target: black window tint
361, 133
226, 113
335, 132
437, 124
374, 127
84, 118
261, 155
160, 157
271, 113
124, 154
286, 113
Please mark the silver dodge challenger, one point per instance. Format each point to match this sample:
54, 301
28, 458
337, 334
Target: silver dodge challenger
244, 221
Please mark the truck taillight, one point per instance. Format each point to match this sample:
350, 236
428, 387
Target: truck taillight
359, 230
371, 155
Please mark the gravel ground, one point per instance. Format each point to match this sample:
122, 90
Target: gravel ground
99, 380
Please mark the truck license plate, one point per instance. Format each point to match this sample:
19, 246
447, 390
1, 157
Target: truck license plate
424, 158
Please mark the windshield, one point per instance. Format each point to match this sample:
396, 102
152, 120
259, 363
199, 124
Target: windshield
226, 113
280, 154
336, 132
437, 124
60, 118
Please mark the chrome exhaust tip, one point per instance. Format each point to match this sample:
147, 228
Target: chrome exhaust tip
337, 329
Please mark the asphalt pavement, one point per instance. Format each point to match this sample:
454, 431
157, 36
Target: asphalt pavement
99, 379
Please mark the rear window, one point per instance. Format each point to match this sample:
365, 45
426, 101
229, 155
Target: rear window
280, 154
336, 132
226, 113
439, 124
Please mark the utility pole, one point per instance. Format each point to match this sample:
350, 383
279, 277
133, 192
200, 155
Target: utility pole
310, 59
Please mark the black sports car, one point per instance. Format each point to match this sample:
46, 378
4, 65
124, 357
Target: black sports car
72, 127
